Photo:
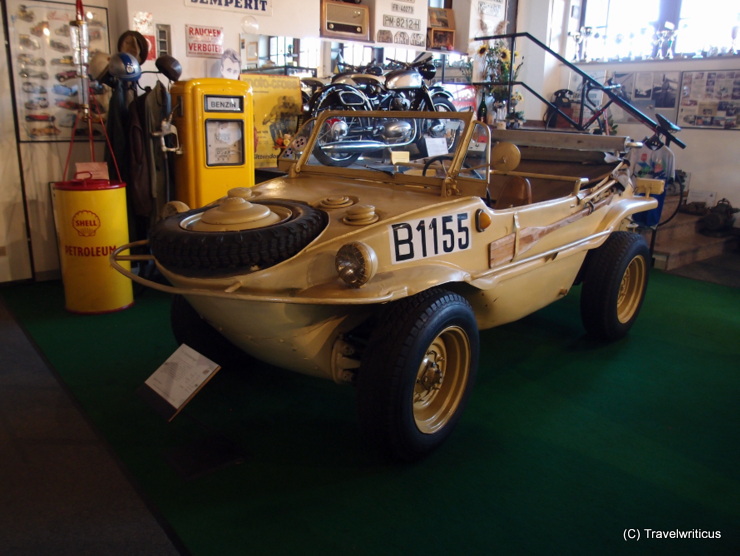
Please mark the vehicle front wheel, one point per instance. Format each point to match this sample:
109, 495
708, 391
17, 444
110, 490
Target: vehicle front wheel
417, 373
614, 285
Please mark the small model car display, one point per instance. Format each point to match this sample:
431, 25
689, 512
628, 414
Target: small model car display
28, 42
24, 14
48, 131
33, 74
29, 60
34, 88
67, 120
67, 104
36, 103
40, 118
64, 90
63, 76
59, 46
63, 61
40, 29
393, 238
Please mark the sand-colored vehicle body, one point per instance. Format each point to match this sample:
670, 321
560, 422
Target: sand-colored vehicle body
433, 210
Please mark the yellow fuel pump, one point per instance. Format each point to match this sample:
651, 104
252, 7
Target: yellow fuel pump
215, 121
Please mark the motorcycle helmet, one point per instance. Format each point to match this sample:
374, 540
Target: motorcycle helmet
169, 66
124, 66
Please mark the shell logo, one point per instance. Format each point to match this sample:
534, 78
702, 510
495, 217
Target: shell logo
86, 223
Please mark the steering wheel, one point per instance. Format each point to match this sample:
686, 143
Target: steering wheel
440, 157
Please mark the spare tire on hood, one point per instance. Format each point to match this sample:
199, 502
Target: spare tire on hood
195, 244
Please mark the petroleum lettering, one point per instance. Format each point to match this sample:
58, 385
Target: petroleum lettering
97, 251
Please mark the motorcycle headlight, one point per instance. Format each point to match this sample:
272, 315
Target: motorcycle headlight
356, 264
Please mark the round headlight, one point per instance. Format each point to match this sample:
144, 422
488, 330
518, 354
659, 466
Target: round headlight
356, 264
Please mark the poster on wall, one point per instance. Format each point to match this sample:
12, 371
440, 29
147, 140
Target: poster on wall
402, 23
202, 41
650, 92
488, 18
277, 109
710, 99
47, 88
144, 24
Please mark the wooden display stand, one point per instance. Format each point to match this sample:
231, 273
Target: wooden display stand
441, 39
441, 29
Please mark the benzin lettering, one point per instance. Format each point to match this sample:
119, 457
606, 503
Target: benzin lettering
97, 251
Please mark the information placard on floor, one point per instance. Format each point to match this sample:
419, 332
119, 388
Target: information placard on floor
177, 381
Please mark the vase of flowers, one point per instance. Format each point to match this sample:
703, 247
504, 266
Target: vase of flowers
499, 69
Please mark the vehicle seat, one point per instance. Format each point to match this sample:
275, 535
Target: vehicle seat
515, 192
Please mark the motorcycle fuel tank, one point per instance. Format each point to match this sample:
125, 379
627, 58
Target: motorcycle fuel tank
404, 79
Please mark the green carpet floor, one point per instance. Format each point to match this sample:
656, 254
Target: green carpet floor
565, 444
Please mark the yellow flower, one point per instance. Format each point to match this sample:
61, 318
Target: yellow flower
482, 50
505, 55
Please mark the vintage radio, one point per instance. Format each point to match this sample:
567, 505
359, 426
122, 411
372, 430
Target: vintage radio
344, 20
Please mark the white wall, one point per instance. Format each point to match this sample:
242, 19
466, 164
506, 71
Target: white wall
40, 164
289, 18
15, 257
712, 157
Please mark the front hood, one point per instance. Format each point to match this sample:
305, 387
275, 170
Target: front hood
357, 211
338, 196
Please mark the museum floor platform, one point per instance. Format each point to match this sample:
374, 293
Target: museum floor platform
565, 442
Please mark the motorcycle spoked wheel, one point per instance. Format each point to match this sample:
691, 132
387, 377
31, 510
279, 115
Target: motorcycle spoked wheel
441, 104
342, 159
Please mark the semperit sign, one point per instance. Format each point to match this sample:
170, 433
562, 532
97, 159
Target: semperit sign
246, 7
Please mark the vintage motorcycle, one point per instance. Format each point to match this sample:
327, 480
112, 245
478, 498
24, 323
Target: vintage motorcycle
404, 87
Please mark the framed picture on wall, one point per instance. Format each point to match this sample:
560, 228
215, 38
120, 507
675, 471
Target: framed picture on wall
487, 18
44, 69
651, 92
710, 99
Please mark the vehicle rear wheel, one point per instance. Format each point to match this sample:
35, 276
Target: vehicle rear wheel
614, 285
417, 372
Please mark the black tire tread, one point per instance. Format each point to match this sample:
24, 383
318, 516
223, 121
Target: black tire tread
380, 374
604, 270
193, 253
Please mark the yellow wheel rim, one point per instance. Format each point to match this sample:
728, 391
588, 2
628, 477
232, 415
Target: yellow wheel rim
631, 289
441, 380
